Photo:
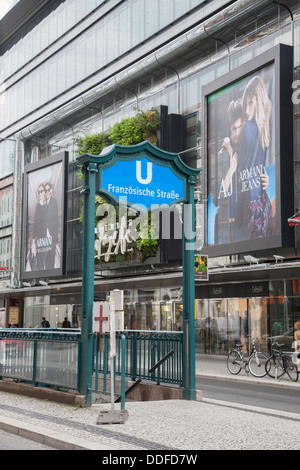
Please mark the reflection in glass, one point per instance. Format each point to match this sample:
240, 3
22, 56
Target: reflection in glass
257, 308
222, 323
166, 316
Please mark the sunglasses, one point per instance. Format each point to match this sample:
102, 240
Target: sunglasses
41, 191
47, 190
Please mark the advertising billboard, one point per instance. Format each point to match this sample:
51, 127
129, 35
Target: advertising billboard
201, 268
44, 217
248, 144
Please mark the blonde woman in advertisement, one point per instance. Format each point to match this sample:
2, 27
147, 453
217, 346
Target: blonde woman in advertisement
252, 159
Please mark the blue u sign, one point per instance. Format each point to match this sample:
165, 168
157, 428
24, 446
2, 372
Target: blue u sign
142, 182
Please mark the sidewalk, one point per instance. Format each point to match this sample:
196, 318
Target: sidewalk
216, 367
156, 426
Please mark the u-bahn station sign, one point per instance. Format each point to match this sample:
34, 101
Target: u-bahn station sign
143, 177
134, 181
143, 183
146, 177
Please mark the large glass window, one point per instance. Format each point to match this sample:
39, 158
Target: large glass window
94, 49
202, 323
257, 311
6, 219
7, 156
284, 308
153, 310
43, 34
166, 316
6, 206
35, 308
222, 323
5, 254
154, 316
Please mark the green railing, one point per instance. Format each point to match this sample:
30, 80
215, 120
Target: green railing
52, 357
150, 355
41, 356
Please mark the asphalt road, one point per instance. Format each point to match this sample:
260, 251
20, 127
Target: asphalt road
14, 442
255, 395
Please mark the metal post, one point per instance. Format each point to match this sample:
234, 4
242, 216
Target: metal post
112, 383
123, 373
189, 379
34, 360
97, 347
86, 369
133, 356
105, 362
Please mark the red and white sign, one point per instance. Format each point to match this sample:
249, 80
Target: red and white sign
101, 317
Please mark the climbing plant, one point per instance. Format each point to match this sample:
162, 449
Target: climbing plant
129, 131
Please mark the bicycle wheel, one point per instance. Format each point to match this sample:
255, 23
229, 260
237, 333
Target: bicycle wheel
234, 361
291, 368
274, 367
257, 364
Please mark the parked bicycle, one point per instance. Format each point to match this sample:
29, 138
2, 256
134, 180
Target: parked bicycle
280, 363
254, 363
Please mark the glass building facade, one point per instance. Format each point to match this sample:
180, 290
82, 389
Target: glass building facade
75, 68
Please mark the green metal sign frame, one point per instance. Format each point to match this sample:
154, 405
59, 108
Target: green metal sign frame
92, 168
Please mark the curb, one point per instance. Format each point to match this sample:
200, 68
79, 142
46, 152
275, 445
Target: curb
48, 438
255, 409
251, 380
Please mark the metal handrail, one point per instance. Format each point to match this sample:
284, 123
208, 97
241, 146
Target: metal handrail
143, 352
45, 334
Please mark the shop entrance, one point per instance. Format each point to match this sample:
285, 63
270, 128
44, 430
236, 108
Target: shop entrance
221, 323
